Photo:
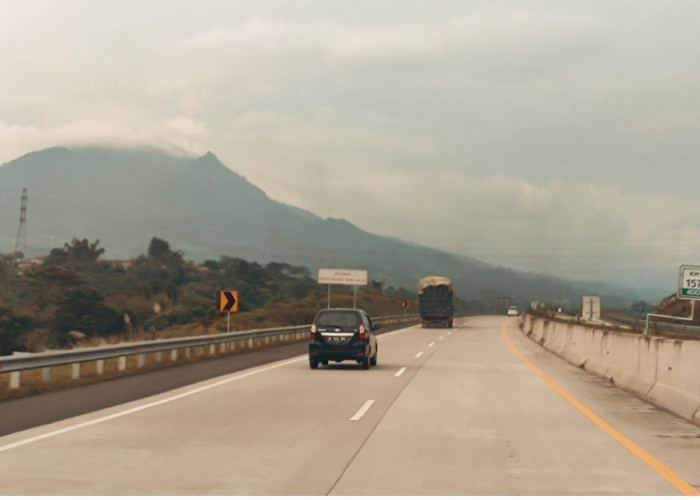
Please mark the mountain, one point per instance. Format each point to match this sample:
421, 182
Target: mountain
202, 208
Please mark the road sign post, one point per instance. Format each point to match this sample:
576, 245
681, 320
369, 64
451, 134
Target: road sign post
590, 309
352, 277
688, 289
228, 302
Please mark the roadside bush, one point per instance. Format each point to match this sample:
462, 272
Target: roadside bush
12, 328
83, 309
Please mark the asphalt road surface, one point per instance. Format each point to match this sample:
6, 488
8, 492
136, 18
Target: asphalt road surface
478, 409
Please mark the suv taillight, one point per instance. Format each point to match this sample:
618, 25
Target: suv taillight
363, 332
313, 331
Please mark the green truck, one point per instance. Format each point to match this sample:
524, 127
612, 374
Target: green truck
435, 301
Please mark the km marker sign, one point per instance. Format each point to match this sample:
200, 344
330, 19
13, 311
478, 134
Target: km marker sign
689, 284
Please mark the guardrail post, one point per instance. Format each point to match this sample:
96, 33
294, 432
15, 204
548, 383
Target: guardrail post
15, 378
223, 344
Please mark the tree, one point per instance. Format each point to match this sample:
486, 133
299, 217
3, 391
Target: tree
12, 327
377, 284
296, 272
160, 249
82, 308
50, 276
641, 307
78, 251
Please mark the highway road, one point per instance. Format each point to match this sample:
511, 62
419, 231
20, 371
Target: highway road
478, 409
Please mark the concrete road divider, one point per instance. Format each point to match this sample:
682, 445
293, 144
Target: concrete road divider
663, 371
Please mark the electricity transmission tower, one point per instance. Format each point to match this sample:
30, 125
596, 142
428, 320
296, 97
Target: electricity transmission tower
21, 242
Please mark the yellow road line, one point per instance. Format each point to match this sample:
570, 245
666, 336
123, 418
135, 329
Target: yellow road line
670, 476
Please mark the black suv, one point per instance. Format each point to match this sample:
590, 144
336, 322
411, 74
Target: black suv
339, 334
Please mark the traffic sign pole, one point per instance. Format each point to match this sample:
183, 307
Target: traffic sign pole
352, 277
227, 302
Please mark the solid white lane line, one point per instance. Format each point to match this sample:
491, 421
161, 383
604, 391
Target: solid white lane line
419, 354
400, 372
361, 412
146, 406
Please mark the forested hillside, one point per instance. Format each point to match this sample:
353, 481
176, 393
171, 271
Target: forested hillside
74, 296
123, 198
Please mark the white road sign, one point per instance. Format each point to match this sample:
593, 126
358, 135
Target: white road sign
342, 277
591, 308
689, 286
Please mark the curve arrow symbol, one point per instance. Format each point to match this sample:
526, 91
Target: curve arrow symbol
228, 300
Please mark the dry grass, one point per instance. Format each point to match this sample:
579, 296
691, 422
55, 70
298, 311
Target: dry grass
274, 315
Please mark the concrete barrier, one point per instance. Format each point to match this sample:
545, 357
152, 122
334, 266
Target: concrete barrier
555, 338
677, 384
665, 372
578, 347
648, 361
624, 355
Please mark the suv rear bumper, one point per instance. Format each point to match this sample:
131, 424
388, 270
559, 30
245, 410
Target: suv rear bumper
357, 351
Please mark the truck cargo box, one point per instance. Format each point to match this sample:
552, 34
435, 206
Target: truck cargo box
435, 301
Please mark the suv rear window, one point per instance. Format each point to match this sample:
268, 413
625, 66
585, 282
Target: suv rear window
341, 319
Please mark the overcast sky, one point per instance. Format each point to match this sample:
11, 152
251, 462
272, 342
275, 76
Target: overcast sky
552, 136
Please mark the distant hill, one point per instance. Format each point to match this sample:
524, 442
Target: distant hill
202, 208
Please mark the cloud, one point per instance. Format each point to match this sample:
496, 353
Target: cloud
187, 127
582, 231
182, 135
258, 35
17, 139
552, 136
497, 33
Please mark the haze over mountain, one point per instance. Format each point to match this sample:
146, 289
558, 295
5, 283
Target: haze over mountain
202, 208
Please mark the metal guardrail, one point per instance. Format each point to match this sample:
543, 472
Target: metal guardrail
635, 325
655, 326
20, 362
